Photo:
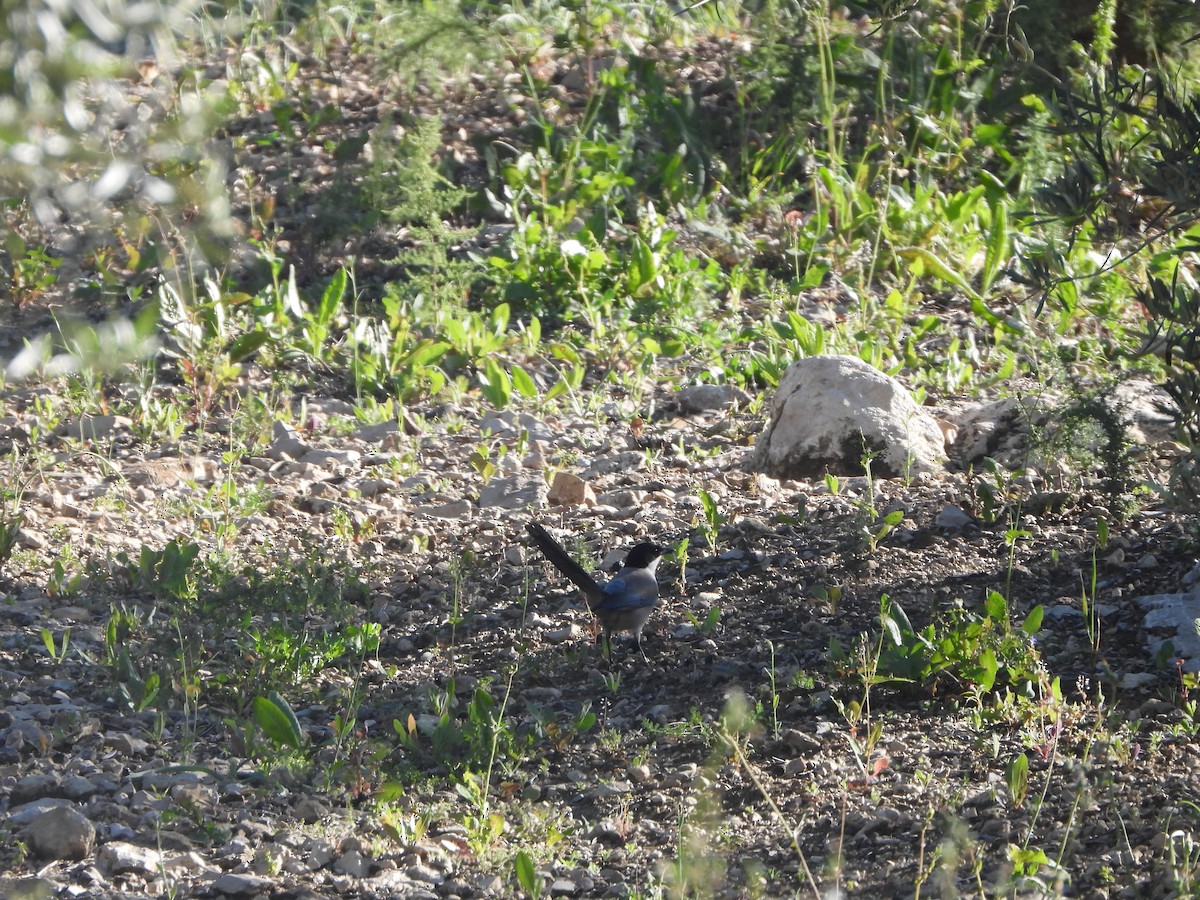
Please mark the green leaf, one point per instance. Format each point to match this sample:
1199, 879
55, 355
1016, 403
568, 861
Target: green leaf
426, 352
1033, 621
1016, 775
644, 268
526, 876
496, 384
149, 691
524, 384
939, 269
331, 299
989, 667
247, 344
996, 606
892, 627
1025, 860
997, 245
500, 317
277, 721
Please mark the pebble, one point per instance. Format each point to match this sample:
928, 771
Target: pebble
61, 833
119, 857
235, 885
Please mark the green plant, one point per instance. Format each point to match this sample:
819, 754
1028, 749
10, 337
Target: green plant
63, 582
1183, 857
1087, 591
461, 738
166, 573
1016, 776
875, 528
12, 494
963, 650
713, 520
210, 337
708, 624
26, 273
137, 692
278, 722
58, 652
527, 877
774, 692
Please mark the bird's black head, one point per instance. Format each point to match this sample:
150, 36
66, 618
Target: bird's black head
643, 556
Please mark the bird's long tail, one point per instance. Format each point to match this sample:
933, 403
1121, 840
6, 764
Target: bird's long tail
562, 561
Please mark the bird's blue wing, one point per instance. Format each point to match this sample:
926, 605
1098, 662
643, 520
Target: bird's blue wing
617, 595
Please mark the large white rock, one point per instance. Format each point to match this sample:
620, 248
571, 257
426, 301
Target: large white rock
830, 410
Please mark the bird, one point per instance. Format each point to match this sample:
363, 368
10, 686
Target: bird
623, 603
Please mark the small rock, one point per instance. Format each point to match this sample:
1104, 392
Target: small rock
93, 428
186, 863
541, 694
699, 398
31, 540
490, 885
516, 492
353, 863
794, 767
455, 509
829, 410
1133, 681
76, 787
287, 444
24, 814
801, 742
310, 809
373, 487
628, 461
563, 887
329, 459
509, 422
321, 854
640, 774
953, 518
419, 872
33, 787
62, 833
609, 789
570, 490
607, 832
128, 745
560, 635
237, 885
374, 434
117, 857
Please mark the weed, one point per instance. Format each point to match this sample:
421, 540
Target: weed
708, 624
57, 651
963, 651
713, 520
532, 883
774, 692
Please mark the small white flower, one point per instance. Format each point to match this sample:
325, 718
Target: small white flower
573, 248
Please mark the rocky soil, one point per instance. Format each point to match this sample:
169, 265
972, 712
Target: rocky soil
403, 530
